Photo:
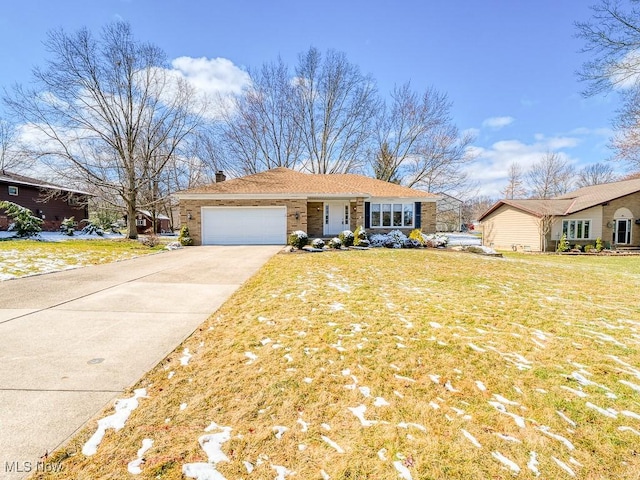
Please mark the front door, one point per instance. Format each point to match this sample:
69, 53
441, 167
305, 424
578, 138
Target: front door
623, 231
336, 218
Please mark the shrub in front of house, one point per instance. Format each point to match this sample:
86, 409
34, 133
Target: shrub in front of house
599, 245
298, 239
91, 229
185, 238
66, 227
25, 223
360, 237
418, 236
435, 240
395, 239
317, 243
589, 248
563, 245
335, 242
346, 237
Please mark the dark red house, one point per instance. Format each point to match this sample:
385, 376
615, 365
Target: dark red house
46, 200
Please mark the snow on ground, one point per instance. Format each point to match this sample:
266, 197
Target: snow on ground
462, 239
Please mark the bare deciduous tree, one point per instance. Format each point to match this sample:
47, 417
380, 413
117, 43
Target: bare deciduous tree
109, 113
595, 174
335, 107
12, 157
550, 177
612, 41
515, 182
260, 128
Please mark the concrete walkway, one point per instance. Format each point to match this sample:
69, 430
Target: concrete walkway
72, 341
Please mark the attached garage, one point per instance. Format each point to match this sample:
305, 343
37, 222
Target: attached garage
244, 225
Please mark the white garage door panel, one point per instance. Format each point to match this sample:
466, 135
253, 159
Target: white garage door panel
244, 225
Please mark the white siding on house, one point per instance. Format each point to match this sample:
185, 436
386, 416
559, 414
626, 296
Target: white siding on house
594, 214
507, 227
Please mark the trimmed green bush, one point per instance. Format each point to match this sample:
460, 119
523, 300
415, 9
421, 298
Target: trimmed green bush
417, 235
599, 245
66, 227
346, 237
298, 239
184, 238
317, 243
563, 246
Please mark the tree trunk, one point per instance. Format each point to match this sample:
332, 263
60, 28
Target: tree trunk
132, 228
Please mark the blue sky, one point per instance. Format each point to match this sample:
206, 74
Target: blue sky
508, 66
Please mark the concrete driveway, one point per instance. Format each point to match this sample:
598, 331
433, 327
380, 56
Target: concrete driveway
72, 341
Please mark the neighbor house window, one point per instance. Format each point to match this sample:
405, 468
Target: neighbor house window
392, 215
73, 201
13, 190
141, 222
576, 229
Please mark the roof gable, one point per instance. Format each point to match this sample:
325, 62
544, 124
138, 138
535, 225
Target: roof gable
283, 181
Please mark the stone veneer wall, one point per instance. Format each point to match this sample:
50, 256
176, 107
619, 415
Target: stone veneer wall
315, 212
194, 207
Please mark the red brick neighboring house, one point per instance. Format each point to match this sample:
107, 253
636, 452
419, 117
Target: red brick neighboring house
144, 222
53, 203
266, 207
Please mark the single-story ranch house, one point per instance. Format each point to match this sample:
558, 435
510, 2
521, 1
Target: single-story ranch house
52, 203
610, 211
264, 208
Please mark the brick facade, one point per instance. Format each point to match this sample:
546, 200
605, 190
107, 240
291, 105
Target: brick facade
310, 215
194, 208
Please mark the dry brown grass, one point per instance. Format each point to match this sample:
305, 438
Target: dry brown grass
418, 329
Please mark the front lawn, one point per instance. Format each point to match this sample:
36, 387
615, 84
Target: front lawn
19, 258
388, 364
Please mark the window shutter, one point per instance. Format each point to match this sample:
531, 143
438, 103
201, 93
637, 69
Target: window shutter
418, 215
367, 214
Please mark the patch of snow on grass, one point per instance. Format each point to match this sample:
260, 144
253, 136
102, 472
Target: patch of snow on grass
510, 464
564, 466
186, 356
133, 467
532, 464
471, 438
332, 444
123, 408
404, 472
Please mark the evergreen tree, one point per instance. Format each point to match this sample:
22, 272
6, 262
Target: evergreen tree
25, 223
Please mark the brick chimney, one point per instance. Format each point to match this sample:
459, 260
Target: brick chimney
220, 176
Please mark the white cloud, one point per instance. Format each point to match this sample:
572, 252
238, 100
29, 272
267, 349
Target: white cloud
213, 76
497, 122
490, 170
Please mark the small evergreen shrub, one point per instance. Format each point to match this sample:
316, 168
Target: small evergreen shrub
346, 237
563, 245
25, 223
589, 248
91, 229
417, 236
66, 227
359, 236
377, 240
599, 245
317, 243
184, 238
395, 239
298, 239
435, 240
412, 243
335, 242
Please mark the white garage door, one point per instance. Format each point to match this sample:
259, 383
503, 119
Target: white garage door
244, 225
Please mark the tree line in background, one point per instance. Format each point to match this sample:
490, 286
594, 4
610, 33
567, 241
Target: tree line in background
108, 115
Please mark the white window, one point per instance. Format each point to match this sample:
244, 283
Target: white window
13, 190
391, 215
577, 229
141, 222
